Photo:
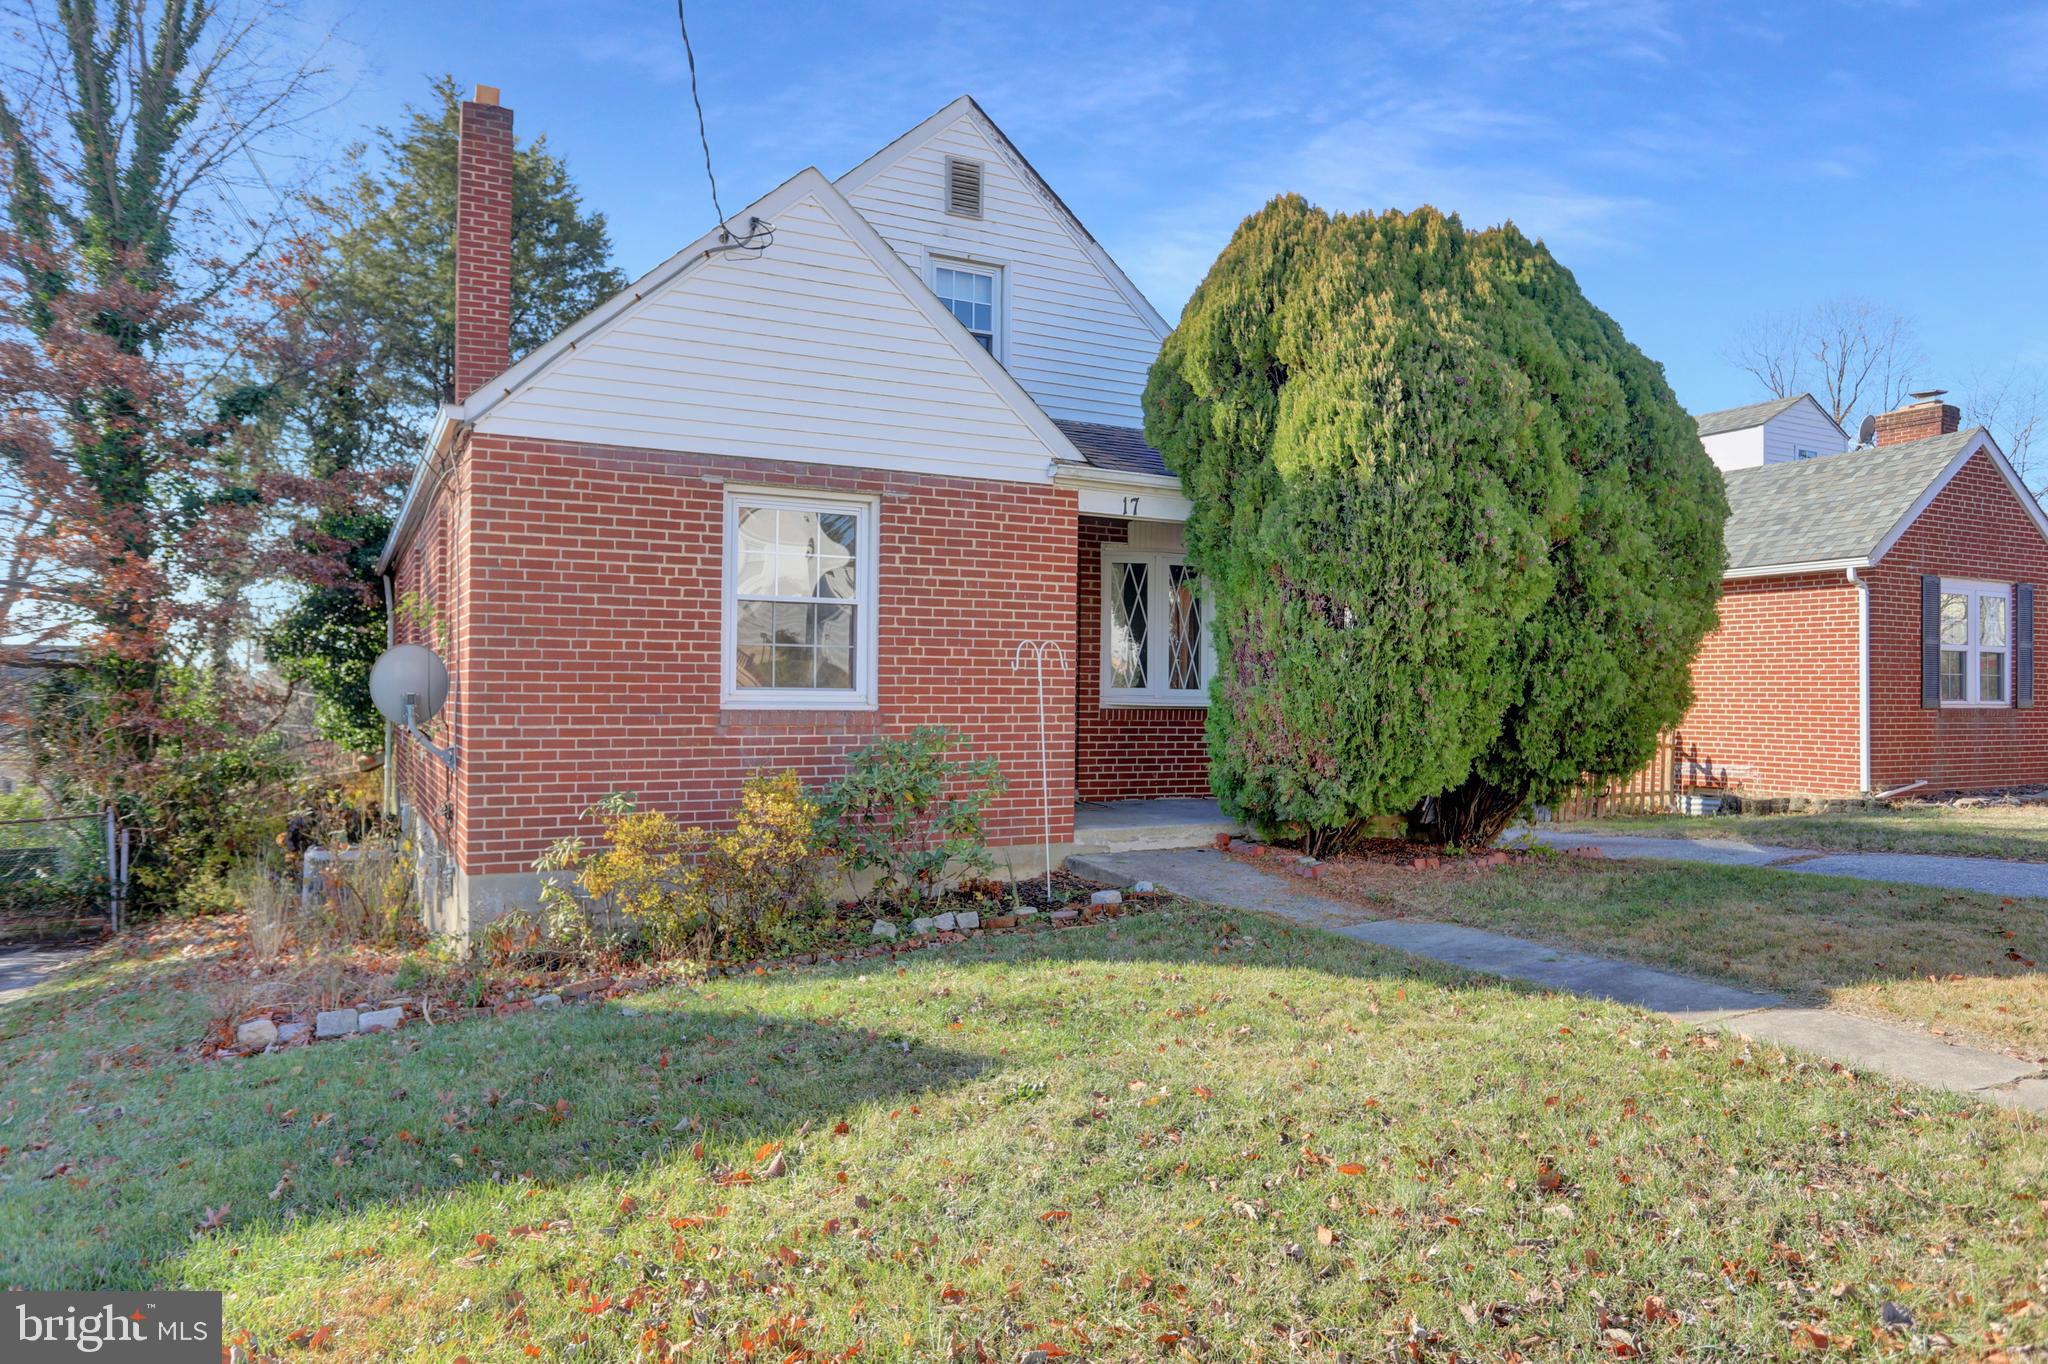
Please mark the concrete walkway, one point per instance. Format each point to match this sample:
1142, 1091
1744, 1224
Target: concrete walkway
1989, 875
22, 969
1888, 1049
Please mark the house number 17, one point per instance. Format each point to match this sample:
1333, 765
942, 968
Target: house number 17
1130, 506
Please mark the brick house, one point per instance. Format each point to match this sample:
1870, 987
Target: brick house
811, 480
1877, 618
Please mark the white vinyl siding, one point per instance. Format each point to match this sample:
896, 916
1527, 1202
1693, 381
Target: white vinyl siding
1075, 342
1800, 427
808, 352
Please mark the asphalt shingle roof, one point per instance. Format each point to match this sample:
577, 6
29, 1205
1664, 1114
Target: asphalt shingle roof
1833, 507
1121, 448
1742, 418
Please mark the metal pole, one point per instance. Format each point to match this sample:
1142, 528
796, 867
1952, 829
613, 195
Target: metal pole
113, 875
1038, 649
123, 898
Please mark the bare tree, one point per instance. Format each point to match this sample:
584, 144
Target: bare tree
2010, 405
1770, 349
1854, 355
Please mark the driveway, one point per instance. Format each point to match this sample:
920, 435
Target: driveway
24, 968
1990, 876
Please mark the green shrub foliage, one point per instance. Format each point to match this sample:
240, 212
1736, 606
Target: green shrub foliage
910, 809
1462, 539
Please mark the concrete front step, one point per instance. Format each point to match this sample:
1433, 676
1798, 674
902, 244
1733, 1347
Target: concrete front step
1148, 825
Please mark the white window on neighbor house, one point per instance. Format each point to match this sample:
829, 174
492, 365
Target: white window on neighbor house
974, 294
1803, 453
799, 613
1976, 643
1155, 631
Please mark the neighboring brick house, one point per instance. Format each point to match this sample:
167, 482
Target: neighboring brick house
1877, 618
805, 483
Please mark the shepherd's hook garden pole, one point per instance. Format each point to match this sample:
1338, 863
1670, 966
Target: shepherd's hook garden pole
1038, 649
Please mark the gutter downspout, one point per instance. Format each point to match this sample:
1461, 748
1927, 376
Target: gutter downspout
390, 743
1862, 586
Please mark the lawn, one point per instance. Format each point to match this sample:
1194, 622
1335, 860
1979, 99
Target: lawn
1962, 963
2018, 832
1140, 1139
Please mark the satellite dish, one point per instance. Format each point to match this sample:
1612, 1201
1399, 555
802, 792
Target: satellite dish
1867, 432
409, 671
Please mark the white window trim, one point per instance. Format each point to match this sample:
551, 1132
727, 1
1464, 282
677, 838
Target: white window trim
1160, 561
999, 295
1972, 683
866, 601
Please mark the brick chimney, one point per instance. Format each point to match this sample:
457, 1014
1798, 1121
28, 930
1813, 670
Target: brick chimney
483, 243
1926, 415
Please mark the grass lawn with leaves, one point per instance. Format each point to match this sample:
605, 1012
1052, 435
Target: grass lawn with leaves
1178, 1134
1957, 962
2013, 832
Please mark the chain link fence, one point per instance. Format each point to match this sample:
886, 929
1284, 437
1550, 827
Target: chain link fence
60, 877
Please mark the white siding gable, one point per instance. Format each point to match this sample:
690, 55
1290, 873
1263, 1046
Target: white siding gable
1742, 448
1801, 427
815, 350
1076, 333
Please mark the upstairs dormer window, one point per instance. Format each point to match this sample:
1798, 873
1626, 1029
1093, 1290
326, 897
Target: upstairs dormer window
973, 294
963, 187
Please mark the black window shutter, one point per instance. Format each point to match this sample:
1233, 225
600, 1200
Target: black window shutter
2023, 646
1930, 641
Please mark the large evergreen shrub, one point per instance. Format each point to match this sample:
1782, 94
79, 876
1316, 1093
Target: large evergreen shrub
1462, 538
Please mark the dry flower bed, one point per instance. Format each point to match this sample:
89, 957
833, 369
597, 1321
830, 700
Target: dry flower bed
282, 1024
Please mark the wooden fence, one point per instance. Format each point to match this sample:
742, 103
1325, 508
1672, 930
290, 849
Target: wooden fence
1652, 791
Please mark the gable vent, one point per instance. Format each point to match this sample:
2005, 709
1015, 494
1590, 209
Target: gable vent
963, 187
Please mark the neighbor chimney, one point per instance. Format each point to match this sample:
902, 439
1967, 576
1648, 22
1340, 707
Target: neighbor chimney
483, 243
1926, 415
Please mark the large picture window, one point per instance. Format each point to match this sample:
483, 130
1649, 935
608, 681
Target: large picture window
1155, 631
799, 600
1976, 643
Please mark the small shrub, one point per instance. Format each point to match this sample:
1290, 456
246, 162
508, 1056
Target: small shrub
511, 938
763, 881
909, 810
709, 897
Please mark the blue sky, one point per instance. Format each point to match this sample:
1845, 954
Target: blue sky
1695, 165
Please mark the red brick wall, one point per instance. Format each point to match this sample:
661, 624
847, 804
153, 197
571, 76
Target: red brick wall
594, 604
1975, 528
433, 570
483, 247
1125, 752
1775, 709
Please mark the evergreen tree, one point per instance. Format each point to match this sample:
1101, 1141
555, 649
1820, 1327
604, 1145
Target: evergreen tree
380, 324
1462, 539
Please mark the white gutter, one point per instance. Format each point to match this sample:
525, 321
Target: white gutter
1862, 585
418, 497
1786, 570
390, 781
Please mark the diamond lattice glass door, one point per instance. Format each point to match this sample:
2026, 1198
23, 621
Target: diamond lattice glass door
1184, 637
1129, 638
